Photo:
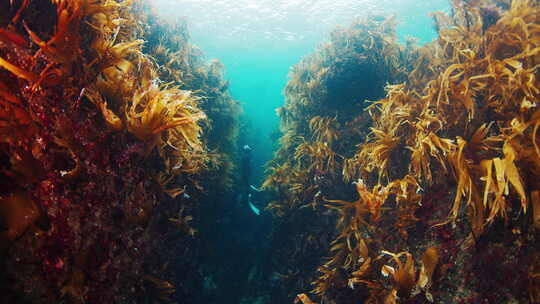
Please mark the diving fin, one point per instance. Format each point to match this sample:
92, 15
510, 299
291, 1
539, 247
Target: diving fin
255, 188
253, 207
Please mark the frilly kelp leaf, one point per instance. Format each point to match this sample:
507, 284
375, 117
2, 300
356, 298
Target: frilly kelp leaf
154, 111
404, 275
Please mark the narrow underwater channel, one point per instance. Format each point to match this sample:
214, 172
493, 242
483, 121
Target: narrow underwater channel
269, 151
257, 65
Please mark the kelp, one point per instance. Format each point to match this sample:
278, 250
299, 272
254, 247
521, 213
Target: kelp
182, 62
323, 120
404, 275
97, 154
464, 80
430, 259
448, 159
154, 110
407, 279
324, 129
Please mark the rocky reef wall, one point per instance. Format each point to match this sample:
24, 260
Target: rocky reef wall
108, 127
428, 193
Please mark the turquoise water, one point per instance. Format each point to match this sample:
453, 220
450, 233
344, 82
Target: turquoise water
258, 42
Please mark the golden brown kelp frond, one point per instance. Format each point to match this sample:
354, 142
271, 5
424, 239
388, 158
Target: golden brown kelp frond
350, 252
303, 298
466, 187
357, 218
392, 120
473, 165
497, 181
296, 188
298, 77
183, 222
324, 129
105, 15
497, 174
299, 183
118, 66
177, 61
116, 54
60, 52
17, 71
154, 110
276, 176
407, 280
369, 202
503, 71
377, 153
404, 275
110, 117
472, 80
399, 107
430, 261
424, 64
128, 80
121, 70
368, 43
428, 146
350, 267
351, 169
330, 279
405, 193
316, 156
164, 180
375, 34
185, 159
93, 176
288, 142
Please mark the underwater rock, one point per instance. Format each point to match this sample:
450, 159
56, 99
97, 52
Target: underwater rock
447, 160
95, 150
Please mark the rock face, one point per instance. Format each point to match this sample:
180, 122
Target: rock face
96, 150
444, 167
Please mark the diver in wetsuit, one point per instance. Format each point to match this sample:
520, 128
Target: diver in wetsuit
251, 228
246, 170
248, 190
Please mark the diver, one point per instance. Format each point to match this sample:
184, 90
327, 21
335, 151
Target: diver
248, 190
246, 169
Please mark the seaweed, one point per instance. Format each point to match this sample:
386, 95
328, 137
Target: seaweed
96, 149
443, 159
322, 121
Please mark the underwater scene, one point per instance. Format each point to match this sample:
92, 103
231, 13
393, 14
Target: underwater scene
269, 151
